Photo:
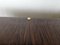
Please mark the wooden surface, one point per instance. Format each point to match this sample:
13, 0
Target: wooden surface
20, 31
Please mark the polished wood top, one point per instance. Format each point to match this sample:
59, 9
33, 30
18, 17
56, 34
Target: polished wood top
20, 31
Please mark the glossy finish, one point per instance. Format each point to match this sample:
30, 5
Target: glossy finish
20, 31
28, 18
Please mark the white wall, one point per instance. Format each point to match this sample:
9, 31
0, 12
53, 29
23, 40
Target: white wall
31, 4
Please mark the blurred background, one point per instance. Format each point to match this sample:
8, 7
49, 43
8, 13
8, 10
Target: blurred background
31, 8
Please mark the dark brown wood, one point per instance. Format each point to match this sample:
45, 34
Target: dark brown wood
45, 31
13, 31
20, 31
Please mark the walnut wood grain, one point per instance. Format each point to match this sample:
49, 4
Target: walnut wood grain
19, 31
